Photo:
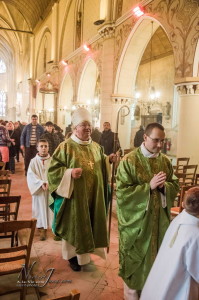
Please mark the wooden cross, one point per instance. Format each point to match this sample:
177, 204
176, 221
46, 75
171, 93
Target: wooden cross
90, 163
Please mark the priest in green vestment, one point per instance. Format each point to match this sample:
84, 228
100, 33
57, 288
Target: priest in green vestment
77, 179
146, 189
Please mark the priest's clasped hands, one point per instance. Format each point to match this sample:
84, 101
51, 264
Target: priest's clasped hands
158, 180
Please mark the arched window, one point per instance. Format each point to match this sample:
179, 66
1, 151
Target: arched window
2, 103
2, 66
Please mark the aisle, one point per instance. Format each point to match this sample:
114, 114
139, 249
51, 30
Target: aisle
98, 281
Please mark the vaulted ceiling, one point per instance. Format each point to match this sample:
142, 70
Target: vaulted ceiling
31, 11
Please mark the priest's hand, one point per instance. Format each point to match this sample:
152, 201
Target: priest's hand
158, 180
76, 173
45, 186
112, 158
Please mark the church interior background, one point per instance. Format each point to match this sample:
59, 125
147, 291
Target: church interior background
106, 56
57, 55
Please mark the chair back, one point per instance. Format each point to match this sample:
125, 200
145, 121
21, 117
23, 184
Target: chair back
11, 207
2, 165
197, 179
126, 151
4, 174
190, 171
5, 185
12, 258
181, 162
74, 295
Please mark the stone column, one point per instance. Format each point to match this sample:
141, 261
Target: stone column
188, 129
107, 61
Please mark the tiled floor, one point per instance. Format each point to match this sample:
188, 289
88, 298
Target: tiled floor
99, 280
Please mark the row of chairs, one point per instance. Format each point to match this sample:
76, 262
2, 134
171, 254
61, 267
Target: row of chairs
16, 258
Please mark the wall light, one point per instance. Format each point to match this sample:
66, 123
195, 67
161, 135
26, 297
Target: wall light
138, 11
86, 47
64, 62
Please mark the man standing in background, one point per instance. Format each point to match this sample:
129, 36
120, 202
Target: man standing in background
29, 137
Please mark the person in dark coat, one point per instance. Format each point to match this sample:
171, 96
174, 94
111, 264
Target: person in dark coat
96, 135
139, 137
17, 140
107, 139
51, 137
59, 131
11, 146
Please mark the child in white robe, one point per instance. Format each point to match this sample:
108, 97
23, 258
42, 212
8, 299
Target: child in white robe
175, 272
38, 186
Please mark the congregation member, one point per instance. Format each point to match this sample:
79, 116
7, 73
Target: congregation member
146, 189
175, 272
139, 137
51, 137
17, 140
59, 132
107, 139
38, 186
5, 140
77, 179
11, 147
29, 137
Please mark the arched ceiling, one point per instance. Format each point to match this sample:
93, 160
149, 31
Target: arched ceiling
160, 44
32, 11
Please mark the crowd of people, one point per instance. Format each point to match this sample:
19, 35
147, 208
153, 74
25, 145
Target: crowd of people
68, 178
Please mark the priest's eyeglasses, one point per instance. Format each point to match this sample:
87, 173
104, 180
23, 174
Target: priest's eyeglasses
156, 141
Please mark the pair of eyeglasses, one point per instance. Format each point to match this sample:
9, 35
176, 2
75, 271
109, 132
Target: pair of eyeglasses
156, 141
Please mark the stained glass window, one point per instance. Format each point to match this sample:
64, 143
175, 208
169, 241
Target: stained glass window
2, 103
2, 67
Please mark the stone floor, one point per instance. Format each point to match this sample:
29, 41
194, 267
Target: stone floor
99, 280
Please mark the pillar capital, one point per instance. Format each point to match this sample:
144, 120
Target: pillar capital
107, 31
188, 86
121, 99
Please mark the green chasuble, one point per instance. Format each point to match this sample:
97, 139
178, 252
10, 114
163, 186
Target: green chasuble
80, 220
142, 219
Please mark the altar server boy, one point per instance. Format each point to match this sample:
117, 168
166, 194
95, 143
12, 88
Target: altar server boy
38, 186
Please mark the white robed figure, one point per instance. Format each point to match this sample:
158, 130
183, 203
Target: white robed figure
38, 186
175, 273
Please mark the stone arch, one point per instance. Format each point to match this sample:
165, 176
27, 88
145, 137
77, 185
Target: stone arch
196, 62
127, 72
65, 101
45, 40
88, 94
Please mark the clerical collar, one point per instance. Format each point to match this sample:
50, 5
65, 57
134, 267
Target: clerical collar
77, 140
146, 152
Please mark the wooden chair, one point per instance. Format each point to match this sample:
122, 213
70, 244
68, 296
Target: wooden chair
4, 174
5, 185
197, 179
9, 211
74, 295
181, 162
190, 171
178, 209
2, 165
16, 259
126, 151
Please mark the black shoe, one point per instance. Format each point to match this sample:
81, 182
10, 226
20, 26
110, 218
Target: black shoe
74, 264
